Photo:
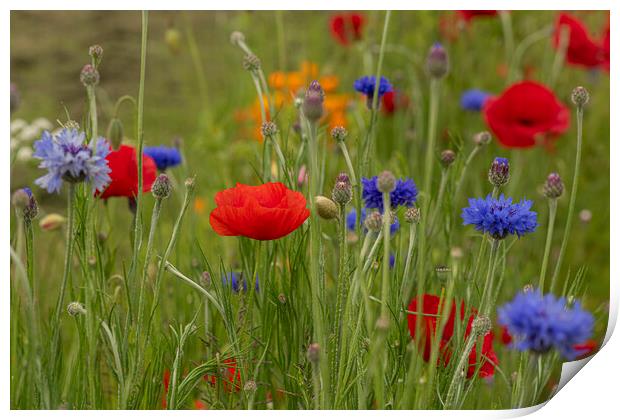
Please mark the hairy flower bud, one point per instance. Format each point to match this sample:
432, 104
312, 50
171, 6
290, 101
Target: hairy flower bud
314, 353
447, 157
25, 203
268, 129
325, 207
52, 222
499, 173
437, 61
115, 132
251, 62
481, 325
250, 386
161, 187
236, 37
373, 221
554, 187
339, 133
89, 76
313, 102
580, 96
342, 192
386, 182
96, 52
75, 309
412, 215
482, 138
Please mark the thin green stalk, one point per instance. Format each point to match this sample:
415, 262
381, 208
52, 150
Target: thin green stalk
553, 206
373, 251
405, 288
560, 55
459, 183
509, 42
458, 372
573, 197
442, 189
487, 293
341, 293
385, 284
196, 60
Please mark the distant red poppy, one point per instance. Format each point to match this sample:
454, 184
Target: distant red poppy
394, 101
431, 308
524, 113
347, 27
584, 349
166, 381
468, 15
199, 405
264, 212
231, 379
124, 173
581, 50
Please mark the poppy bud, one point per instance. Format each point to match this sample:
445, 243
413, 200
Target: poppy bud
499, 173
339, 133
268, 129
115, 132
481, 325
325, 207
172, 38
437, 61
342, 191
251, 62
373, 221
314, 353
580, 96
412, 215
447, 157
554, 187
96, 52
483, 138
75, 309
161, 187
313, 102
302, 176
89, 76
386, 182
236, 37
52, 222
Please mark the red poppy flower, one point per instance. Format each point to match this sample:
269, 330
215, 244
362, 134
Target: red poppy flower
431, 308
347, 27
231, 379
505, 336
468, 15
581, 50
166, 380
199, 405
605, 47
124, 166
394, 101
264, 212
525, 112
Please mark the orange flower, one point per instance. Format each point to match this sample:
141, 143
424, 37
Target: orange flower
199, 206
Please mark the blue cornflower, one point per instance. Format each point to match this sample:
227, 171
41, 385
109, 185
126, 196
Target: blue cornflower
352, 217
233, 278
539, 323
366, 85
164, 157
392, 260
404, 194
67, 158
499, 217
474, 99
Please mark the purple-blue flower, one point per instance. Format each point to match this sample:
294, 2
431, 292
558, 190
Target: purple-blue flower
499, 217
164, 157
67, 158
474, 99
234, 278
366, 85
539, 323
352, 218
404, 194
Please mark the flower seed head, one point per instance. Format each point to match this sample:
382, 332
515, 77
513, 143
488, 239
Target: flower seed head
482, 138
437, 61
89, 76
325, 207
268, 129
339, 133
447, 157
251, 63
373, 221
580, 96
499, 173
115, 132
236, 37
554, 187
342, 192
75, 309
412, 215
386, 182
161, 187
96, 52
190, 183
313, 102
250, 386
52, 221
481, 325
314, 353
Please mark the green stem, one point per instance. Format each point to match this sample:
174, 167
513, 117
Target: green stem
487, 293
458, 373
553, 205
442, 189
560, 55
573, 197
341, 293
459, 184
385, 284
509, 42
405, 284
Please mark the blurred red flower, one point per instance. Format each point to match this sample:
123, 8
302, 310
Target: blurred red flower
430, 309
231, 379
347, 27
264, 212
166, 381
468, 15
394, 101
584, 349
525, 113
581, 50
605, 47
124, 166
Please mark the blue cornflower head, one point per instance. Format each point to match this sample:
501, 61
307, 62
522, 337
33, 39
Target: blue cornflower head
404, 194
474, 99
366, 85
500, 217
540, 323
67, 158
237, 281
392, 260
352, 218
164, 157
